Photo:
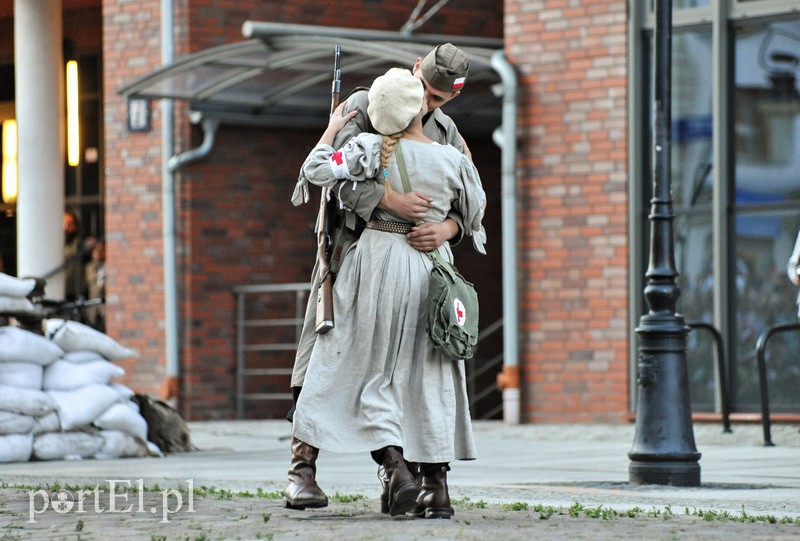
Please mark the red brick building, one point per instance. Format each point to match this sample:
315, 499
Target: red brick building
582, 175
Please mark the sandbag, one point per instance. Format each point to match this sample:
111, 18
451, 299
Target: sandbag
16, 423
16, 287
66, 445
75, 336
25, 401
19, 345
118, 444
123, 390
65, 376
82, 356
23, 374
123, 416
16, 447
80, 407
15, 304
47, 423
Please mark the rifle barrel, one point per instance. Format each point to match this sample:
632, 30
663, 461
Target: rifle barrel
336, 86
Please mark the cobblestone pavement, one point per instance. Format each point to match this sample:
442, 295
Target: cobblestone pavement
529, 482
229, 517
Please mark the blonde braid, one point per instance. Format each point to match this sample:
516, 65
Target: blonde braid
387, 149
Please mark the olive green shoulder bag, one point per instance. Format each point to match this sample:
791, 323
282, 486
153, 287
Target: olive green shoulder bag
452, 301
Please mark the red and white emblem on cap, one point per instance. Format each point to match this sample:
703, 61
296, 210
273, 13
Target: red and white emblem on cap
458, 84
460, 312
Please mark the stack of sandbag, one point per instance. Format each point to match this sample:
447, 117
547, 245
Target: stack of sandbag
25, 409
58, 398
14, 292
88, 401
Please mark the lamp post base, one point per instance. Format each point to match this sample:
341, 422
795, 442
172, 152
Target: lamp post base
678, 474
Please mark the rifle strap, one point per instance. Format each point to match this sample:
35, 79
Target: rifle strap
354, 90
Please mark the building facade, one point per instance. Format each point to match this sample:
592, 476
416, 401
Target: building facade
582, 190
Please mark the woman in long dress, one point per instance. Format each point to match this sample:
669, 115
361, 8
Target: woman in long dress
375, 383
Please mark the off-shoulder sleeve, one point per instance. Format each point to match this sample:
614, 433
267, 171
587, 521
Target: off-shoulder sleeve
471, 203
356, 161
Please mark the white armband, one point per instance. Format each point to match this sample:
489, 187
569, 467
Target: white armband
339, 167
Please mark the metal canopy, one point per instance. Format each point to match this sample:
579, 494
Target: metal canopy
281, 77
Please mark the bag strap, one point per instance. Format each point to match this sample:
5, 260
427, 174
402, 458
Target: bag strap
401, 168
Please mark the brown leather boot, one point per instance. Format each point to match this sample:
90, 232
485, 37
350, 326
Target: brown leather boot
302, 490
433, 500
401, 488
413, 467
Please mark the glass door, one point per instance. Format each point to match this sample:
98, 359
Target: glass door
766, 208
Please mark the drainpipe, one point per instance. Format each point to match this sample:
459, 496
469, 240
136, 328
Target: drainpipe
171, 384
210, 126
169, 388
505, 137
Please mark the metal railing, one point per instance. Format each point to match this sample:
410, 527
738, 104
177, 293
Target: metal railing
478, 366
722, 379
243, 346
761, 348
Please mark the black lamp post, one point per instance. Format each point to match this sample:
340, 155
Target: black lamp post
664, 451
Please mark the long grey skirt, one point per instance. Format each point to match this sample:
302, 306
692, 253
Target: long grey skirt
375, 379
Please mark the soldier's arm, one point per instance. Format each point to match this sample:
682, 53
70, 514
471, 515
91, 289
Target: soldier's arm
429, 236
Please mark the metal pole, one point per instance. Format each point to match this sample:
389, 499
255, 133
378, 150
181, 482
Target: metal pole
663, 450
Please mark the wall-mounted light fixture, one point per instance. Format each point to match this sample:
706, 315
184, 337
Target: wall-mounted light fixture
138, 115
10, 162
73, 122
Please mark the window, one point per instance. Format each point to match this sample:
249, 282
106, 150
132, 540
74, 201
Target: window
766, 111
735, 178
84, 182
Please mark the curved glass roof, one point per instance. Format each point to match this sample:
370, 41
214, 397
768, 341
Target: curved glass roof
282, 75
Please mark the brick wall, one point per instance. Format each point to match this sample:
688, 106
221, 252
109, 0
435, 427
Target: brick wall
135, 292
235, 222
238, 228
571, 61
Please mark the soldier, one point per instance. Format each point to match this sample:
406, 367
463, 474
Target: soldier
383, 387
443, 73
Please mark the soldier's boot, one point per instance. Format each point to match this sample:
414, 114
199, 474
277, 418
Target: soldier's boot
433, 500
302, 490
384, 479
400, 487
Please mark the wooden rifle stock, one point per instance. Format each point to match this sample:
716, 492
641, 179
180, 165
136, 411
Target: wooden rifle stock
325, 227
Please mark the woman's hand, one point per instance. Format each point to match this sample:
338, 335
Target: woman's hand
410, 206
335, 124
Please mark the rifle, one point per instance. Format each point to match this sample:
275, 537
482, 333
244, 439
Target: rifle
325, 226
72, 310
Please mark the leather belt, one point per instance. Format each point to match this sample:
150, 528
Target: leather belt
390, 227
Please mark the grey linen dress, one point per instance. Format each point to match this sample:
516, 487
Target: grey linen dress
375, 379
